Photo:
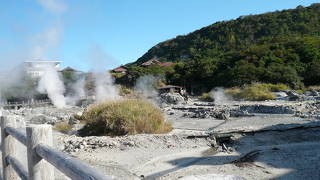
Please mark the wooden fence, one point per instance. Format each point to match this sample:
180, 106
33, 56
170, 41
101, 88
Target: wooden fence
41, 157
29, 103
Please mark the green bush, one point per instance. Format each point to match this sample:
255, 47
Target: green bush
129, 116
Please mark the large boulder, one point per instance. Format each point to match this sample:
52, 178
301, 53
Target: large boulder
293, 96
172, 98
311, 93
43, 119
280, 95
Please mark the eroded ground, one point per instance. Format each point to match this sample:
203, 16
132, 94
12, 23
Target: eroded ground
268, 140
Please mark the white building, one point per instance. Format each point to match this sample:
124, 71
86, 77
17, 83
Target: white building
36, 68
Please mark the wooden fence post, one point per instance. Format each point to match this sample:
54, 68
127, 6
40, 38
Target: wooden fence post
8, 148
38, 168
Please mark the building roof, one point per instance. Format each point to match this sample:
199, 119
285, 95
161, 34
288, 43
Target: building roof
70, 69
170, 86
120, 69
151, 62
166, 64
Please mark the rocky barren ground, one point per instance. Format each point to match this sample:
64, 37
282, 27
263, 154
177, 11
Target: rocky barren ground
236, 140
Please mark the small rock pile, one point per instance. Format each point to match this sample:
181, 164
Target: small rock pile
268, 109
208, 113
309, 110
291, 95
216, 112
171, 98
47, 115
73, 144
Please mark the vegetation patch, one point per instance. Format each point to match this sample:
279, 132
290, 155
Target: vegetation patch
129, 116
276, 87
254, 92
125, 91
206, 97
279, 47
63, 127
233, 92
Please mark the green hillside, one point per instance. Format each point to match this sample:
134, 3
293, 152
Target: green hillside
277, 47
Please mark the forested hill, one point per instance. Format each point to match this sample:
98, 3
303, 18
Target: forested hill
238, 34
276, 47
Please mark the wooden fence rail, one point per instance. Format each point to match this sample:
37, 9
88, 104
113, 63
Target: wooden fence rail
29, 103
42, 158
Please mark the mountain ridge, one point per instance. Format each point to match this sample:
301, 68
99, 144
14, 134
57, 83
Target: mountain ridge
234, 32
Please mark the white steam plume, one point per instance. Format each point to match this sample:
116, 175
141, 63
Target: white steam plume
55, 6
105, 88
51, 84
78, 92
46, 42
220, 97
145, 86
42, 45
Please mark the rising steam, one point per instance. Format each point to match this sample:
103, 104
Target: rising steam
78, 92
51, 84
219, 97
145, 86
105, 88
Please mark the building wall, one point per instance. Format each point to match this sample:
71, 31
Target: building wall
36, 68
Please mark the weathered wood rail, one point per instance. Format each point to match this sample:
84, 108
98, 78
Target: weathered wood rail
15, 105
41, 157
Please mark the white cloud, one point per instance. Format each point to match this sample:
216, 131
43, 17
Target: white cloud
45, 42
55, 6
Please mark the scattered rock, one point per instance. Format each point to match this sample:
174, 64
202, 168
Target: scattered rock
172, 98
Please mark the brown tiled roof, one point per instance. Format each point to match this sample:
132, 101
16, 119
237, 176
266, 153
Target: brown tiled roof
151, 62
120, 69
166, 64
170, 86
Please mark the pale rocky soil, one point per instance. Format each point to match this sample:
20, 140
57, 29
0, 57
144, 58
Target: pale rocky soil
283, 143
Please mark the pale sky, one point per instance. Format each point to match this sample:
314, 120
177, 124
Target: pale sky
83, 32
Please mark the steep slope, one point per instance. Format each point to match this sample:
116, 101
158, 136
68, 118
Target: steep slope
277, 47
238, 34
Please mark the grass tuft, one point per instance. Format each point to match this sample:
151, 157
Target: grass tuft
275, 87
129, 116
125, 91
255, 92
206, 97
62, 127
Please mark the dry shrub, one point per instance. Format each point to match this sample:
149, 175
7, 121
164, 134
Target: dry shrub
62, 127
316, 88
275, 87
206, 97
129, 116
301, 91
233, 92
256, 92
125, 91
161, 84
